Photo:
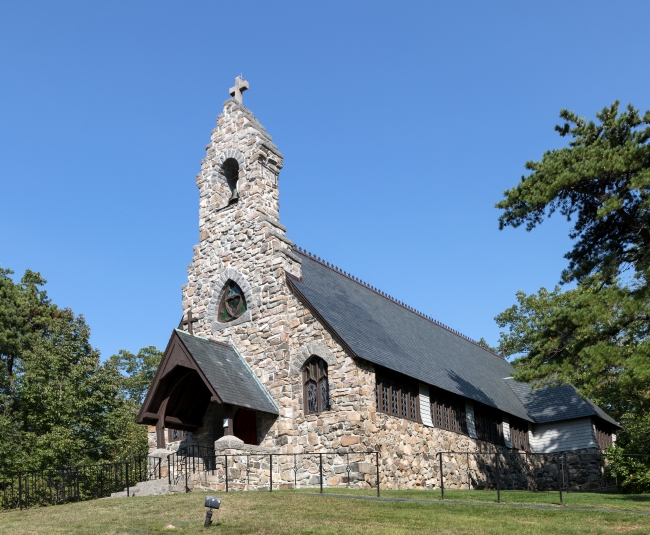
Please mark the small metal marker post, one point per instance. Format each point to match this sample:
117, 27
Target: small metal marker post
565, 468
377, 461
187, 489
559, 478
442, 480
498, 478
226, 469
321, 472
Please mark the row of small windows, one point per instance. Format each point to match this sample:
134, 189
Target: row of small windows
397, 395
448, 411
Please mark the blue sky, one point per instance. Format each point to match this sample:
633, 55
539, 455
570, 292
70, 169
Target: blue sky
401, 125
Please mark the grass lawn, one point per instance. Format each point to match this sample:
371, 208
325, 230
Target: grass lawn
285, 512
629, 502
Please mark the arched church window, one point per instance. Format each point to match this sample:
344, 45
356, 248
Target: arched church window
230, 169
232, 304
316, 386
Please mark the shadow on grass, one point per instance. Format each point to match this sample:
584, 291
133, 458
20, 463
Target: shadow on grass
611, 500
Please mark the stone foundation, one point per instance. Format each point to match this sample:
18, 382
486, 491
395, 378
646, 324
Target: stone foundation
251, 468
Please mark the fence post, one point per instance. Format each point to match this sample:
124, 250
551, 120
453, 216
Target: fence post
20, 491
187, 489
321, 472
226, 468
270, 472
159, 469
565, 467
442, 479
498, 478
127, 480
377, 461
559, 478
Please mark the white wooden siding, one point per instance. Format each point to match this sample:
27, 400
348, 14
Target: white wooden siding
563, 436
425, 405
506, 431
469, 417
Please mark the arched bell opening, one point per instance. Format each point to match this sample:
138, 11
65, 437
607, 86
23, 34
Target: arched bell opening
230, 170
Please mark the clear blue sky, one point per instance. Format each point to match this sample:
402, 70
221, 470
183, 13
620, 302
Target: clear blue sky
401, 124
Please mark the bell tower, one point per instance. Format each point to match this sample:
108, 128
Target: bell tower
236, 281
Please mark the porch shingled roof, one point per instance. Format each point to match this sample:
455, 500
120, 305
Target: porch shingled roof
228, 373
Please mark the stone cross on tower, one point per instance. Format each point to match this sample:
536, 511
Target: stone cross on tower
241, 85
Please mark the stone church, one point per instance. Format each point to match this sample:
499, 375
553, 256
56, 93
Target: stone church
281, 351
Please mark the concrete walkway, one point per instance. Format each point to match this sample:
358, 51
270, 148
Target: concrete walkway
489, 504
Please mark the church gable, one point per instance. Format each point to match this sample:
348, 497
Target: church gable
193, 373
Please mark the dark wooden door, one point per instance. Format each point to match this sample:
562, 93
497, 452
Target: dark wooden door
246, 426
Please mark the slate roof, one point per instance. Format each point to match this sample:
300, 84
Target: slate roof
554, 403
228, 373
379, 330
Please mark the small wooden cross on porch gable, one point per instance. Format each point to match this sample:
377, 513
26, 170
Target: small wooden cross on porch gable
188, 322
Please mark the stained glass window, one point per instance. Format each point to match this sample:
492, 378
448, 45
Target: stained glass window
312, 398
396, 394
317, 391
324, 394
232, 304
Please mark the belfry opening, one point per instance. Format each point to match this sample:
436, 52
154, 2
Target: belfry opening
230, 170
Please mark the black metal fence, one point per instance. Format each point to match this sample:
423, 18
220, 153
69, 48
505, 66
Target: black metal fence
53, 486
198, 467
516, 470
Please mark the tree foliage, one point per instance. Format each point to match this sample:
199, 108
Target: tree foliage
592, 336
138, 370
59, 404
601, 181
595, 335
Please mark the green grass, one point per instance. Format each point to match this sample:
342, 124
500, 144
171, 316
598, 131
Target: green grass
630, 502
290, 512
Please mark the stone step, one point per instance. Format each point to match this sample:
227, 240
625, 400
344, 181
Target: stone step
150, 488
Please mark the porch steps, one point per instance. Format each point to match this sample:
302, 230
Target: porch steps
155, 487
